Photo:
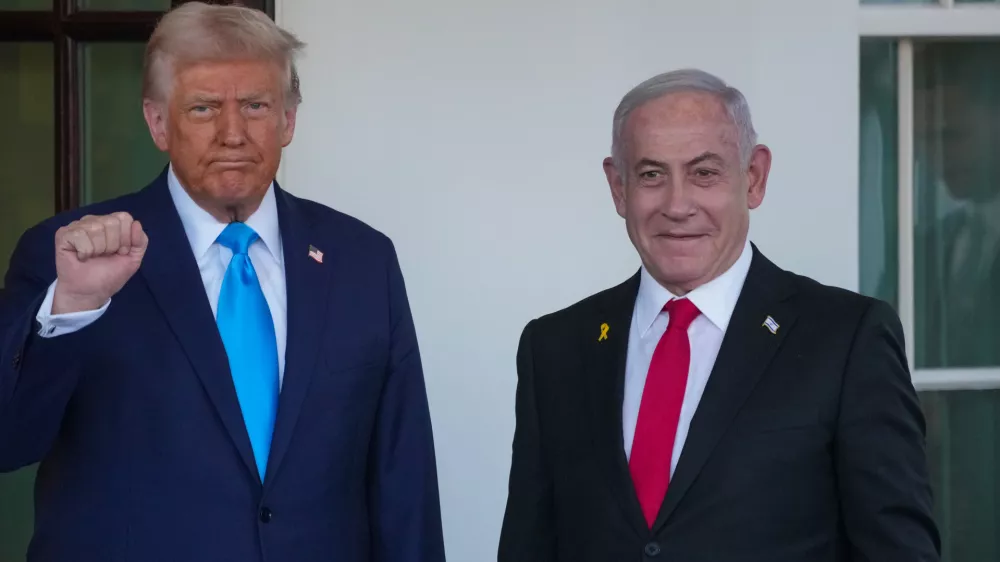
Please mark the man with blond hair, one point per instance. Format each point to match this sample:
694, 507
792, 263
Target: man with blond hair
212, 369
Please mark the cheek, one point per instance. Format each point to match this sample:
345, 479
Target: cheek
194, 139
643, 205
724, 208
266, 133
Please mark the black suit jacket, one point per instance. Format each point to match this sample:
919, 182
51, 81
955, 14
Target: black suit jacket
807, 445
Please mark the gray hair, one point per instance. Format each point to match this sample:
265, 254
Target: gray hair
685, 80
196, 31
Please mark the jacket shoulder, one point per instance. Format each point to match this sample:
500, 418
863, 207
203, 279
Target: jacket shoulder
842, 311
43, 233
59, 220
342, 227
616, 300
814, 293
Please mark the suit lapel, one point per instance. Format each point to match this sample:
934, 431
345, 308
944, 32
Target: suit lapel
605, 366
747, 349
308, 285
171, 272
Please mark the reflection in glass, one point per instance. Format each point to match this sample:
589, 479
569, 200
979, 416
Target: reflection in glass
957, 204
963, 449
27, 144
16, 5
878, 179
119, 156
27, 186
125, 5
900, 1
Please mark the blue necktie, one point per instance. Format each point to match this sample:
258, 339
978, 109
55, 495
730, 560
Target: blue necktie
247, 332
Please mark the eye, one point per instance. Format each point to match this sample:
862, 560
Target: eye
704, 173
256, 105
200, 109
650, 174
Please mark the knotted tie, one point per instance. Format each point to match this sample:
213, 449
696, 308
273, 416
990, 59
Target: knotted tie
247, 331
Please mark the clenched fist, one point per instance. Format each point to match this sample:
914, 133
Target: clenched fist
95, 257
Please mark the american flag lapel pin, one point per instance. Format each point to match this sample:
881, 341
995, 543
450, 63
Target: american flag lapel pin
315, 254
771, 325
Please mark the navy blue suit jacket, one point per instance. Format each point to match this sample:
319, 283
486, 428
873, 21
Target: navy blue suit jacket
144, 454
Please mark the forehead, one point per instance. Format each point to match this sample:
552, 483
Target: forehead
228, 77
682, 122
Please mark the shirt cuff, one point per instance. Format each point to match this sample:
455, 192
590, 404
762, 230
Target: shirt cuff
55, 325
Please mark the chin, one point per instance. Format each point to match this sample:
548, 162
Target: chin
678, 272
236, 186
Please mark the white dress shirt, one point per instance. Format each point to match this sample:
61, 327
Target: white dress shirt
716, 300
202, 229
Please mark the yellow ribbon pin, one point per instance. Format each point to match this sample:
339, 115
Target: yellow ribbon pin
604, 333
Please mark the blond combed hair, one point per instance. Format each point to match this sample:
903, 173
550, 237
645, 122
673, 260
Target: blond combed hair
198, 32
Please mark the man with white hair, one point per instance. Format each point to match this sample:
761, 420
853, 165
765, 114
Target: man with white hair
713, 407
212, 369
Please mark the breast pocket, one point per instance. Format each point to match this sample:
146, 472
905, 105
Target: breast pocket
773, 439
770, 420
355, 348
352, 369
354, 382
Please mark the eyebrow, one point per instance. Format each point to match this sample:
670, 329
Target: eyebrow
703, 157
650, 162
213, 99
203, 99
254, 96
706, 157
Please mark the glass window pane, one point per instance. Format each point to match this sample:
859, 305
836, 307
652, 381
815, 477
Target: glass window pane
879, 180
957, 204
900, 1
963, 447
118, 154
27, 144
13, 5
125, 5
27, 185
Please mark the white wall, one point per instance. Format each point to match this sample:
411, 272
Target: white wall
472, 133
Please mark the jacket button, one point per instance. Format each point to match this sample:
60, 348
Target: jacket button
652, 550
265, 515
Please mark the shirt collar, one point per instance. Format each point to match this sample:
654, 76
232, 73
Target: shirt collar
716, 299
203, 229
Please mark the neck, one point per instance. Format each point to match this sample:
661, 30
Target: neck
227, 213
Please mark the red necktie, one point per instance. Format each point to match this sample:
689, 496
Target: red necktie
660, 409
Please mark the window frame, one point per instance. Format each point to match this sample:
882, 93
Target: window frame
67, 26
904, 24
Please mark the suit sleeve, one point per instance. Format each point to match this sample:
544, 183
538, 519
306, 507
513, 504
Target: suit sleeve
37, 375
404, 505
880, 457
528, 533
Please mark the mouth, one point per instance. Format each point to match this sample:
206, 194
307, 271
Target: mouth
680, 237
231, 164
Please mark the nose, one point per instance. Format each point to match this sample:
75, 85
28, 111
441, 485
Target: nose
232, 130
677, 203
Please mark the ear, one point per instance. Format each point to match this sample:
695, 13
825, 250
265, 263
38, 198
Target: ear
156, 119
760, 167
288, 130
616, 184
